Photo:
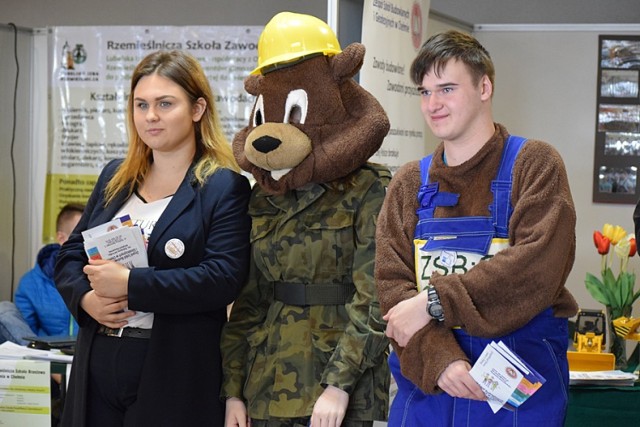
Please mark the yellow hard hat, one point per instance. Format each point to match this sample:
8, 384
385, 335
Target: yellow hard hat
290, 36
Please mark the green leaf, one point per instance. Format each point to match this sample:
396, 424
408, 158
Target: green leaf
615, 312
620, 295
598, 290
627, 281
609, 279
634, 297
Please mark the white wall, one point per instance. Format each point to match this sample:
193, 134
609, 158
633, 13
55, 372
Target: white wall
43, 13
546, 89
15, 144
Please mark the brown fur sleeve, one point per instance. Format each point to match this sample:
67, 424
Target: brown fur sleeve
434, 347
501, 295
394, 267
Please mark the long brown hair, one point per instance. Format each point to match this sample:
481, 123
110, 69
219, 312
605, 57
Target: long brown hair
212, 148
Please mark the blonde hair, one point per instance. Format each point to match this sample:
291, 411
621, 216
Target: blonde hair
212, 148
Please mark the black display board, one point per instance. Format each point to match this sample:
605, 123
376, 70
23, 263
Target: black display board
617, 145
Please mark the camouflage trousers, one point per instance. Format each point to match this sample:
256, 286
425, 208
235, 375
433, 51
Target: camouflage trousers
303, 422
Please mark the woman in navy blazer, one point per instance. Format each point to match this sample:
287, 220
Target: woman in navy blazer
180, 183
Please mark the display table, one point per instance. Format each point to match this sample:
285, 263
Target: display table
599, 406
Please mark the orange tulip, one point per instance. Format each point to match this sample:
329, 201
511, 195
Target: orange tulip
602, 243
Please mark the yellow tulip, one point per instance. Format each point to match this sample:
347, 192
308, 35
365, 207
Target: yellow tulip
614, 233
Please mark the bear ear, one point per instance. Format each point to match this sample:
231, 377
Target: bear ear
252, 83
347, 63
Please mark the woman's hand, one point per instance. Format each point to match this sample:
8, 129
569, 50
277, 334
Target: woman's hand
108, 278
111, 312
330, 408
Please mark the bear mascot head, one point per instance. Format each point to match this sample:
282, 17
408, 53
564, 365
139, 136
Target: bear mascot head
311, 121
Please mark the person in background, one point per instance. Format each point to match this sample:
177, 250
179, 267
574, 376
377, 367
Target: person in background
148, 350
474, 244
38, 308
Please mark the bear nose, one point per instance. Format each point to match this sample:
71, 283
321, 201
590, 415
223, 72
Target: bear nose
266, 144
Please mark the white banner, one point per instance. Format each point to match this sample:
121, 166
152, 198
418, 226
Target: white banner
393, 31
25, 393
90, 78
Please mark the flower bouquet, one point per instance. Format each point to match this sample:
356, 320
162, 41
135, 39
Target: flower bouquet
615, 292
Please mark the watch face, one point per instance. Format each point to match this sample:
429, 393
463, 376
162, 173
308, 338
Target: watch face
435, 310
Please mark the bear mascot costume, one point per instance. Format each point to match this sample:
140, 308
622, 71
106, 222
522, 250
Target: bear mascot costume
305, 341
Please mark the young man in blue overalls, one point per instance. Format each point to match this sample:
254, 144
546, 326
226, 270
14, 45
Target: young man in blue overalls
474, 244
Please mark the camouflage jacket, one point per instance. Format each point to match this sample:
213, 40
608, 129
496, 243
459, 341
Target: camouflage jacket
278, 357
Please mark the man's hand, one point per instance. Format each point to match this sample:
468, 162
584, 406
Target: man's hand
457, 382
406, 318
236, 414
330, 408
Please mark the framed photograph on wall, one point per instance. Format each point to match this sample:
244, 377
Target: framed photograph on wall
619, 83
617, 142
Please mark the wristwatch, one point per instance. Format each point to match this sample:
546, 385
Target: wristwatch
434, 307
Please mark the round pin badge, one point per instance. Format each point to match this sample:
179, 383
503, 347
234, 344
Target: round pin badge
174, 248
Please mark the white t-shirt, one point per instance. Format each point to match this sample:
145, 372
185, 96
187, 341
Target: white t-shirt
145, 215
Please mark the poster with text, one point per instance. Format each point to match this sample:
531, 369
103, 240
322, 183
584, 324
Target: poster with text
25, 393
91, 69
393, 31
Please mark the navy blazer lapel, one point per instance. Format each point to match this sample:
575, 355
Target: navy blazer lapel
178, 203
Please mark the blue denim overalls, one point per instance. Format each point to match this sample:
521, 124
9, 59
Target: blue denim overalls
454, 245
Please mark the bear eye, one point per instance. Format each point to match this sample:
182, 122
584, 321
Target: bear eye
295, 110
258, 112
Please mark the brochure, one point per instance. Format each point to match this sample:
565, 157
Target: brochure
123, 221
506, 379
117, 240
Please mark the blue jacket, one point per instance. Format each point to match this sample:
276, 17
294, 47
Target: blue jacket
180, 383
40, 302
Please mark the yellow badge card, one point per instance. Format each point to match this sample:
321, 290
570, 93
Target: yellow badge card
446, 262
